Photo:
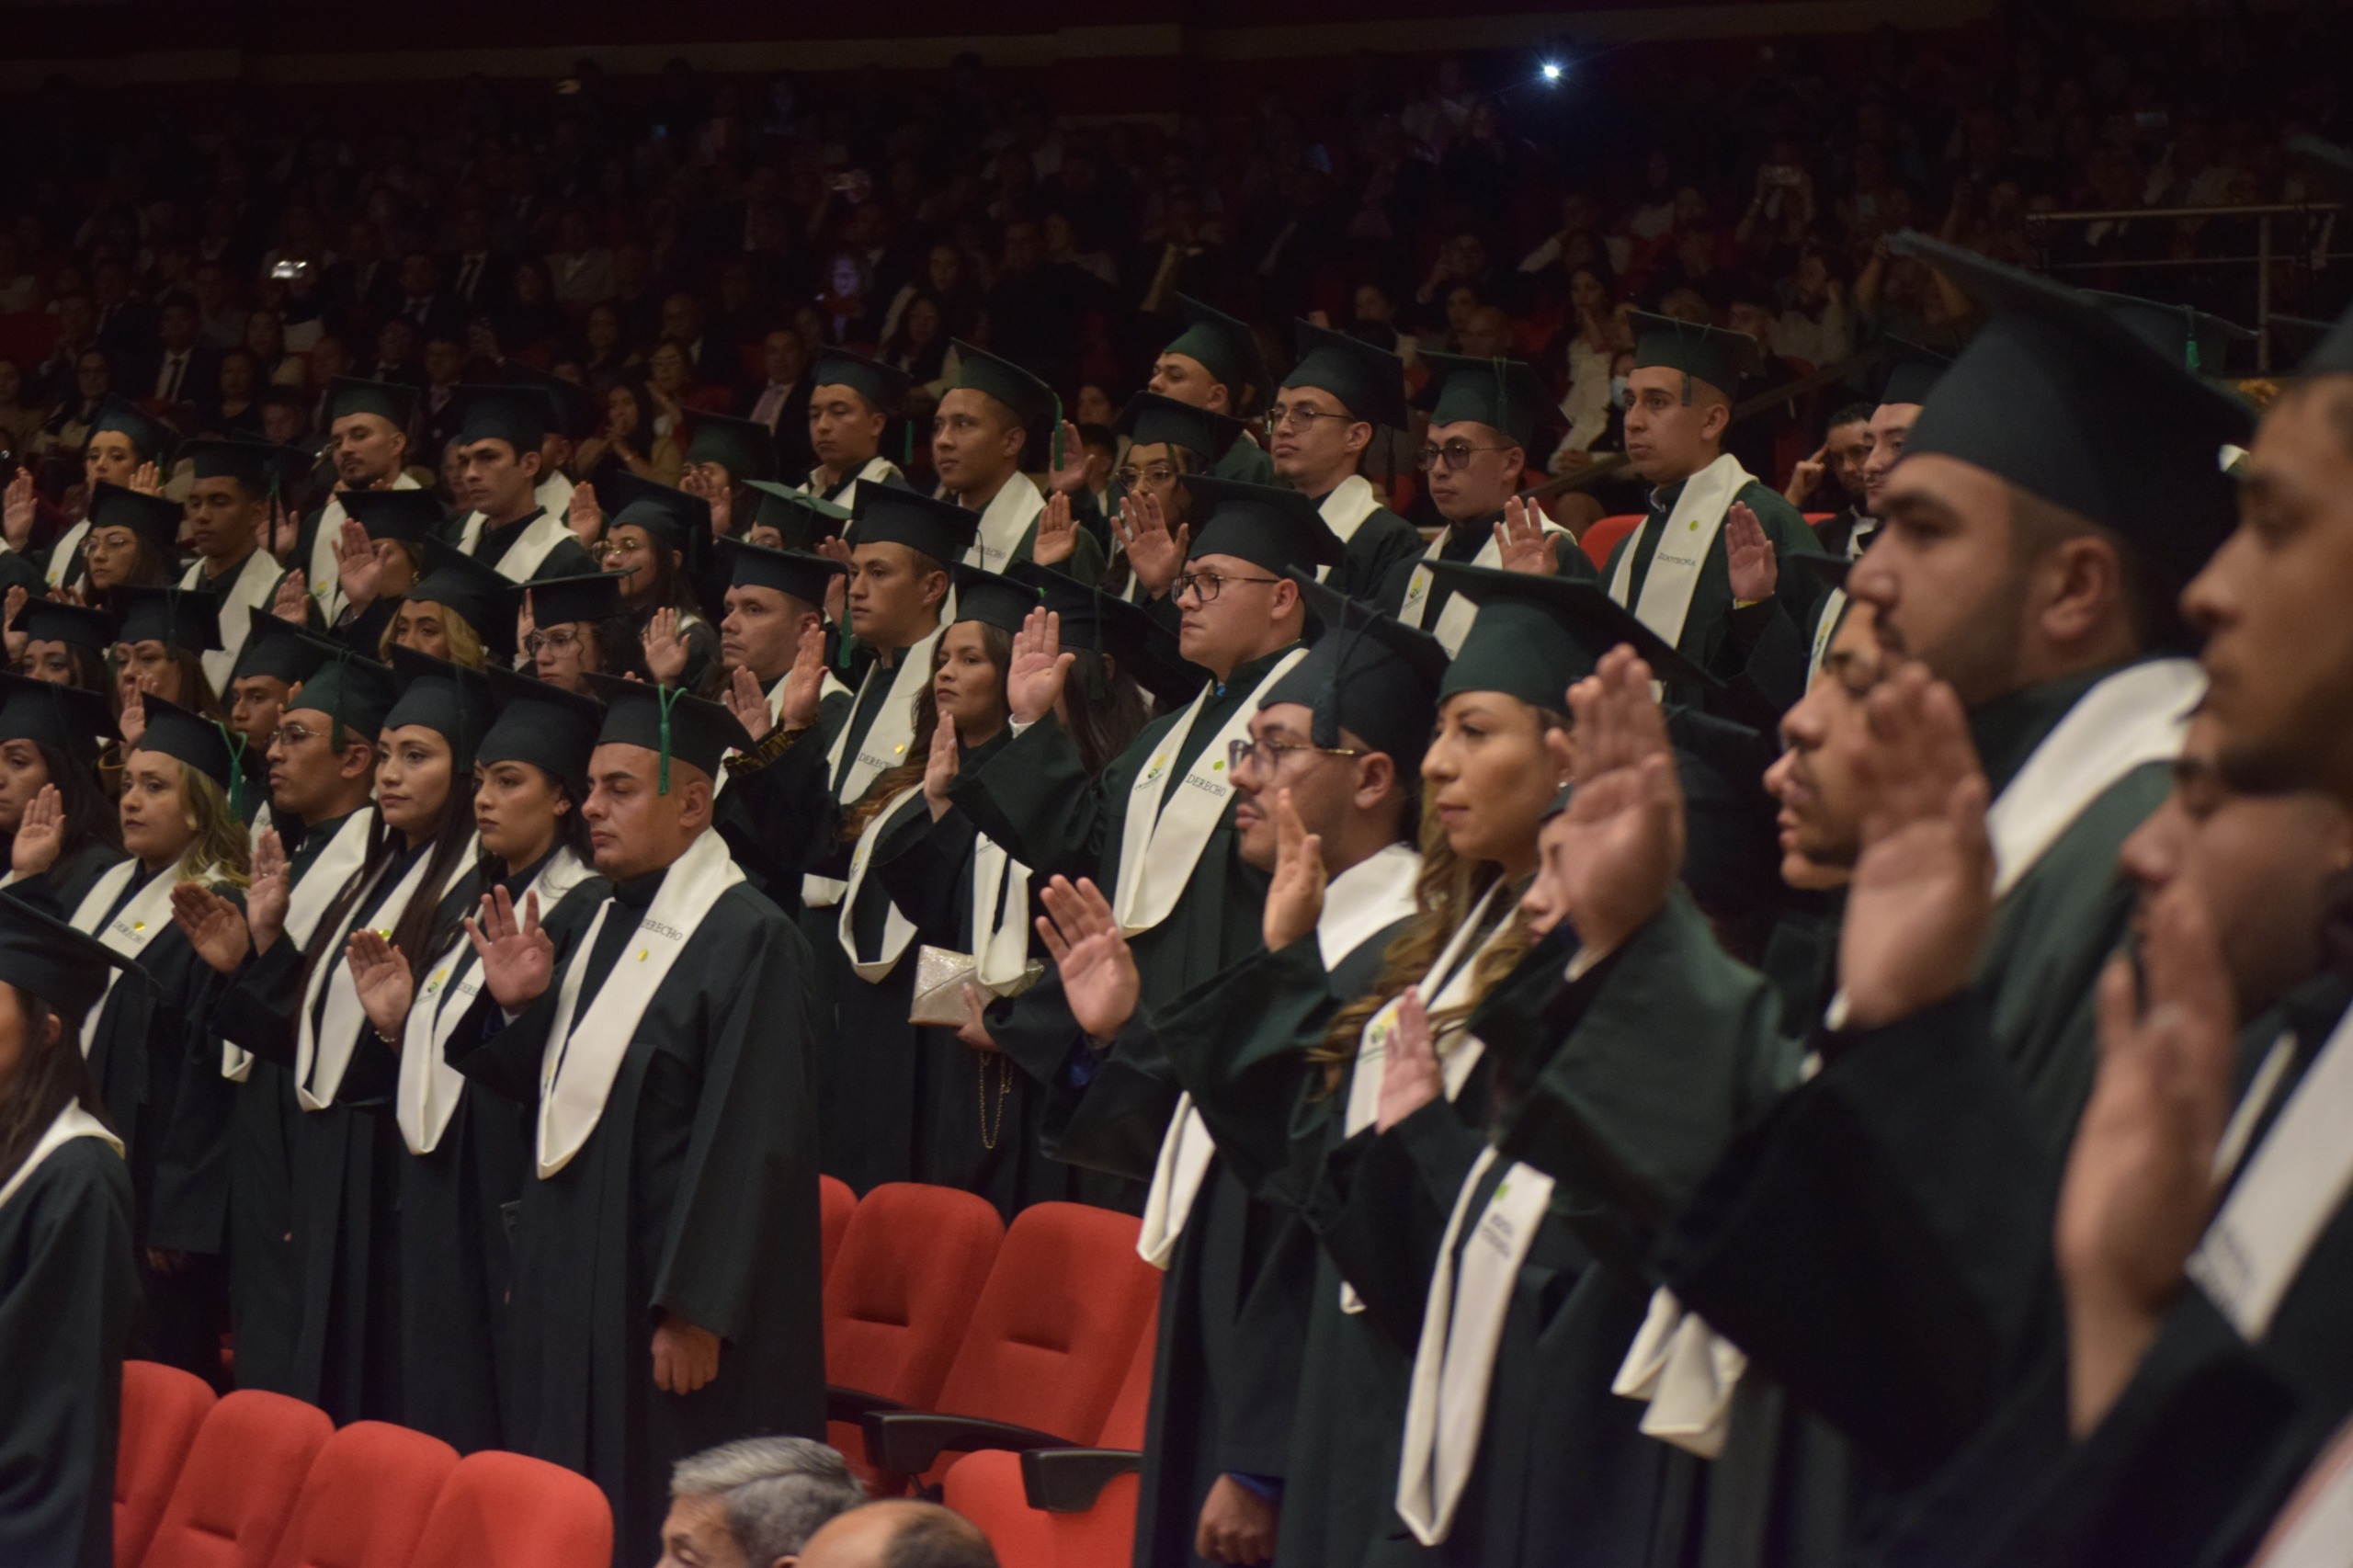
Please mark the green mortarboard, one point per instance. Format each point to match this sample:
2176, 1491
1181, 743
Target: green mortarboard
151, 438
1506, 395
991, 599
885, 513
884, 387
1262, 524
671, 517
468, 589
788, 572
70, 719
1224, 346
517, 415
2333, 356
1033, 403
48, 959
1104, 623
669, 722
1153, 420
275, 648
1710, 354
1912, 370
450, 699
801, 518
157, 518
261, 466
1080, 604
551, 728
184, 620
355, 693
388, 401
1535, 636
2059, 398
572, 410
1369, 381
1368, 674
2191, 338
411, 516
48, 621
745, 448
562, 601
201, 742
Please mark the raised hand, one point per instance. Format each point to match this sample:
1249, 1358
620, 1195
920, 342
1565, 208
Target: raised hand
1099, 978
18, 510
1154, 555
940, 768
267, 892
212, 925
832, 547
804, 683
517, 959
1520, 539
1057, 532
1806, 475
666, 651
147, 479
40, 834
721, 499
1409, 1073
1033, 682
1295, 896
742, 696
132, 721
585, 516
381, 978
1069, 476
292, 602
17, 641
356, 570
2141, 1184
1611, 857
284, 529
685, 1358
1922, 889
1755, 571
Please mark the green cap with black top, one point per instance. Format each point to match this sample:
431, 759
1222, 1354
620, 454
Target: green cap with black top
884, 387
470, 590
388, 401
1262, 524
791, 573
885, 513
551, 728
1506, 395
1152, 420
1712, 354
151, 438
354, 692
155, 518
447, 699
1224, 346
992, 599
1369, 381
564, 601
803, 520
77, 626
669, 722
411, 516
273, 647
1368, 674
203, 743
183, 620
1537, 636
745, 448
70, 720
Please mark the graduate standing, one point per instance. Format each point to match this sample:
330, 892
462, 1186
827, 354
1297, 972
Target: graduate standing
995, 426
1321, 426
50, 736
852, 401
381, 558
518, 522
369, 426
233, 502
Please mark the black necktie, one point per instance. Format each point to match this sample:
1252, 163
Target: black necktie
172, 369
466, 276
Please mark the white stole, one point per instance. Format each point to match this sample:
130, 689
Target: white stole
326, 550
827, 688
70, 1123
1344, 511
306, 901
1454, 621
897, 929
885, 747
1005, 523
65, 551
429, 1087
323, 1053
1684, 539
1000, 914
255, 585
134, 925
578, 1068
534, 544
877, 469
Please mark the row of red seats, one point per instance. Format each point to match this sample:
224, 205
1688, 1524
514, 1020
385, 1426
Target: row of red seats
256, 1479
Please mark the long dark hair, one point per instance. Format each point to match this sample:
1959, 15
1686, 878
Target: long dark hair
998, 644
418, 933
1104, 708
90, 817
49, 1076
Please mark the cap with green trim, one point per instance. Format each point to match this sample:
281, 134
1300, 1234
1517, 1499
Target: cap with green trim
2192, 338
991, 599
885, 513
450, 699
1506, 395
183, 620
801, 518
1710, 354
275, 648
1224, 346
203, 743
745, 448
669, 722
1262, 524
1535, 636
884, 387
551, 728
1369, 381
1368, 675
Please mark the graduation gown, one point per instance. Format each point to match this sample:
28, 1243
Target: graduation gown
1246, 460
1462, 543
696, 1194
75, 873
68, 1293
872, 1120
568, 558
1381, 542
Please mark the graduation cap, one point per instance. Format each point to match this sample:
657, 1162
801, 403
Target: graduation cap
2060, 399
745, 448
1911, 371
203, 743
991, 599
674, 519
789, 572
1033, 403
2333, 356
1369, 673
1224, 346
551, 728
1710, 354
183, 620
450, 699
1506, 395
560, 601
1260, 523
150, 438
573, 410
1080, 604
885, 513
801, 518
156, 519
355, 693
467, 588
50, 620
2196, 341
517, 415
1369, 381
388, 401
1535, 636
1104, 623
412, 517
668, 721
49, 958
1153, 420
262, 467
1831, 569
274, 648
885, 387
70, 719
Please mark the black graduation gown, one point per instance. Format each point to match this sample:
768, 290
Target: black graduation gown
1370, 560
68, 1293
872, 1053
696, 1195
570, 558
1461, 543
70, 878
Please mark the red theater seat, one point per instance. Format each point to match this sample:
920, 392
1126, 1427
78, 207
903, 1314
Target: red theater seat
1603, 537
365, 1500
236, 1491
835, 1204
161, 1409
501, 1510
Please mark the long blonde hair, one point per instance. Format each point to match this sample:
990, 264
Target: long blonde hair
221, 841
465, 644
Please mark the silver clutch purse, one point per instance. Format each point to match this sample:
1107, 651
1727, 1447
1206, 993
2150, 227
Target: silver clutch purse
941, 975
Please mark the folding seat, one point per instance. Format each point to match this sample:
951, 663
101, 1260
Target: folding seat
237, 1489
1051, 1340
1603, 537
365, 1502
501, 1510
161, 1409
835, 1204
913, 1262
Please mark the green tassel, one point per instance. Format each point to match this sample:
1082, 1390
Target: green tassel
665, 696
236, 769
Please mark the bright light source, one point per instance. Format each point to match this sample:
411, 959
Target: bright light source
1552, 72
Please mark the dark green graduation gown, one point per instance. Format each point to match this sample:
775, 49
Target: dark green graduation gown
871, 1096
70, 878
1246, 460
696, 1194
570, 558
1382, 542
1462, 542
68, 1293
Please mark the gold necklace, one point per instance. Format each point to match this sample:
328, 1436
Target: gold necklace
990, 1133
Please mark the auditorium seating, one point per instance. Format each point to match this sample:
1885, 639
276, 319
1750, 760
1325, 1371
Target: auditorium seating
507, 1511
161, 1409
835, 1204
365, 1502
238, 1486
1603, 537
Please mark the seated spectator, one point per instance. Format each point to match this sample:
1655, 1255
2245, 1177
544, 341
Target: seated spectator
919, 346
529, 324
754, 1503
234, 409
265, 341
580, 268
605, 359
1814, 326
19, 420
899, 1533
630, 440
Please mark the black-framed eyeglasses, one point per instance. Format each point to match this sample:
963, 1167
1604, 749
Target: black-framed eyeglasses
1206, 586
1266, 756
1455, 455
1154, 473
1291, 415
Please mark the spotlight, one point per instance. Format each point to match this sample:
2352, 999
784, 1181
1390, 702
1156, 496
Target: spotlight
1550, 70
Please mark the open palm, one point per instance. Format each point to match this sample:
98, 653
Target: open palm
1098, 971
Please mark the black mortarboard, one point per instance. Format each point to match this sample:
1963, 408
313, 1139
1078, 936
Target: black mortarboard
551, 728
411, 516
467, 588
1912, 370
1506, 395
48, 621
668, 721
355, 693
203, 743
885, 513
1224, 346
573, 410
70, 720
883, 386
1369, 381
2059, 398
1033, 403
991, 599
2190, 338
672, 517
1710, 354
2333, 356
745, 448
1260, 523
156, 517
560, 601
50, 960
1152, 420
388, 401
789, 572
150, 438
1080, 604
1537, 636
260, 466
517, 415
450, 699
274, 647
801, 518
1369, 673
185, 619
1148, 651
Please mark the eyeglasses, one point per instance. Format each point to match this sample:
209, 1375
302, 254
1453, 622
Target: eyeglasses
1155, 474
1455, 455
562, 640
1297, 415
292, 735
1207, 585
1267, 755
